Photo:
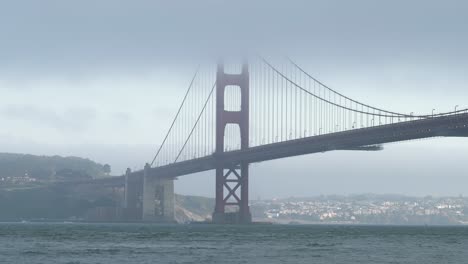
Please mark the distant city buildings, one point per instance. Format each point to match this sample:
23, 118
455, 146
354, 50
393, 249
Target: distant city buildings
404, 210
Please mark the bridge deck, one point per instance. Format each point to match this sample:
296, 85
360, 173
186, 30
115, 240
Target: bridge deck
445, 126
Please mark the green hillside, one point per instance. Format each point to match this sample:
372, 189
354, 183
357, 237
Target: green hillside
52, 168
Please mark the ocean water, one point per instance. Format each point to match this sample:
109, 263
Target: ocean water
143, 243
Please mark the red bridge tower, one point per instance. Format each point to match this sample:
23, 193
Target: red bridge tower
232, 180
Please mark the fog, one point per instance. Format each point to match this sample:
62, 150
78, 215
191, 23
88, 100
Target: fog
103, 79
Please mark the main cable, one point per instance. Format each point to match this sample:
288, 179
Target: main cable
393, 114
176, 116
196, 123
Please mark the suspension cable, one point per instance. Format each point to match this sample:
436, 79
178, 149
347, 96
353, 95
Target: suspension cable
338, 93
390, 114
176, 116
196, 123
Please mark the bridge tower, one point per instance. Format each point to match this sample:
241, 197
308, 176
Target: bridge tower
232, 180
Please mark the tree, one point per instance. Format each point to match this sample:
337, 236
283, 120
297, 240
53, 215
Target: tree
107, 169
72, 175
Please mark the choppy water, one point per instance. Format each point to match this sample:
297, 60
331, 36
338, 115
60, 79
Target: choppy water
137, 243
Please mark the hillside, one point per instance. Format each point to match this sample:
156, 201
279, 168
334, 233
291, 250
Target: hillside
21, 198
193, 208
45, 168
60, 202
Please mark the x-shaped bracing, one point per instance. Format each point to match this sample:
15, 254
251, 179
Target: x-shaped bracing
231, 191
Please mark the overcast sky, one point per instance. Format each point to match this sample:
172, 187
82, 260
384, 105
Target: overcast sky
102, 79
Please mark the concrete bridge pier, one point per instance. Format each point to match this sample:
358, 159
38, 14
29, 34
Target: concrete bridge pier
133, 197
158, 198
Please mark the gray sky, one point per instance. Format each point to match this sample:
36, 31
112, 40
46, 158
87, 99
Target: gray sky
102, 79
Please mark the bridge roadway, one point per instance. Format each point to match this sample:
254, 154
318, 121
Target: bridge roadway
444, 126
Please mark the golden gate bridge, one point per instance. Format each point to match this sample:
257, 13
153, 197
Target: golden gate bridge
236, 114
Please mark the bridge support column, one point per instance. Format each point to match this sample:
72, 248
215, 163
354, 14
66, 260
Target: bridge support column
158, 198
133, 196
232, 206
232, 195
